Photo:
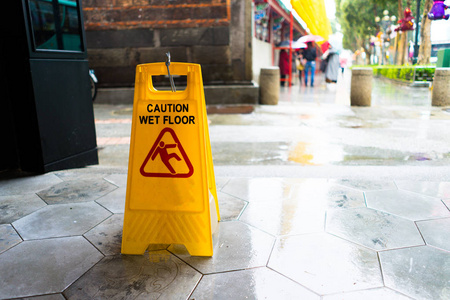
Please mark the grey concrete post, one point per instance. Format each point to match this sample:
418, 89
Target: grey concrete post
441, 87
269, 85
361, 87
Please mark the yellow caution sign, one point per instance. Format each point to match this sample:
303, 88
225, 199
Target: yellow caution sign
171, 191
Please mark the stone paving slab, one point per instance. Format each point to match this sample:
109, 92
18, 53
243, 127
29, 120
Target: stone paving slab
82, 190
27, 185
314, 237
373, 229
419, 272
107, 236
15, 207
237, 246
433, 189
155, 275
61, 220
8, 237
371, 294
436, 233
263, 283
326, 264
398, 202
46, 297
114, 201
45, 266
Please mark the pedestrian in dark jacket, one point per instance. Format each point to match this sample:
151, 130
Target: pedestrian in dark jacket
310, 55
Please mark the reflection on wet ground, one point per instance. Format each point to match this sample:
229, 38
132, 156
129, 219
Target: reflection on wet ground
312, 126
390, 94
317, 126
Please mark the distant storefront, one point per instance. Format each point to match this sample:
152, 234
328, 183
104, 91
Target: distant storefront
271, 26
214, 33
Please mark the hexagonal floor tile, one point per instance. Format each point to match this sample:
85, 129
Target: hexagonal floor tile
326, 264
8, 237
436, 232
256, 189
259, 283
367, 185
221, 182
372, 294
107, 236
447, 203
269, 189
79, 174
338, 196
17, 206
154, 275
285, 216
406, 204
76, 191
236, 246
418, 272
117, 179
46, 297
27, 185
430, 188
230, 207
114, 201
45, 266
61, 220
374, 229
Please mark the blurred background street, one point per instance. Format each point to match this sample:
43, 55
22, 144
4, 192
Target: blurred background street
313, 132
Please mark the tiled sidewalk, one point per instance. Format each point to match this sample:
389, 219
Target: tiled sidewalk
279, 238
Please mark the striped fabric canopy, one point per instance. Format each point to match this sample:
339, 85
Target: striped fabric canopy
314, 15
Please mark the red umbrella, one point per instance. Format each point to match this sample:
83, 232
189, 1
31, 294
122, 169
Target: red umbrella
310, 38
324, 46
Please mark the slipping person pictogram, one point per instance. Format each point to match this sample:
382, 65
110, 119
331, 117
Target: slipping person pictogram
167, 147
165, 156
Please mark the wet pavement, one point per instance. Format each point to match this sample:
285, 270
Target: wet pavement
314, 127
318, 200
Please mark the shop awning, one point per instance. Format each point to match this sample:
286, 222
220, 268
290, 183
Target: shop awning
279, 7
314, 15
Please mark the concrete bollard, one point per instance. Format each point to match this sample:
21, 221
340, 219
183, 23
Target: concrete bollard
361, 87
441, 87
269, 85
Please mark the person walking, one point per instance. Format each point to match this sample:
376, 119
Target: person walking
284, 66
310, 55
332, 69
293, 67
300, 64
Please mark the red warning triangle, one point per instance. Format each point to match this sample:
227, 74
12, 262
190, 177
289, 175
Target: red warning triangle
164, 159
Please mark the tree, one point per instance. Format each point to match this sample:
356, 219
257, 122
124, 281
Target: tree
402, 43
425, 36
357, 19
357, 24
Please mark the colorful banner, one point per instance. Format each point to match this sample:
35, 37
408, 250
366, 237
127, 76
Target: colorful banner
313, 13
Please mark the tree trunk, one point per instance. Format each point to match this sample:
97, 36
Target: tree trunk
425, 36
368, 54
402, 49
399, 39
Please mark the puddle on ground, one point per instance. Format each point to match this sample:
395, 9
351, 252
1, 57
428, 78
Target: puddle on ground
269, 153
355, 122
316, 154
